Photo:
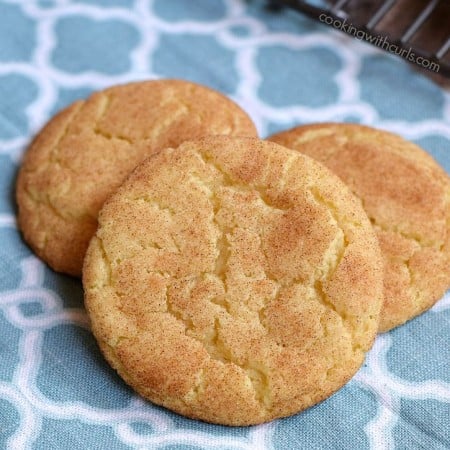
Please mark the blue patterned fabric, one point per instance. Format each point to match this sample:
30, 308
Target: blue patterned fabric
56, 391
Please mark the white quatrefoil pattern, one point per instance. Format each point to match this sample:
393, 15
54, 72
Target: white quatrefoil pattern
56, 391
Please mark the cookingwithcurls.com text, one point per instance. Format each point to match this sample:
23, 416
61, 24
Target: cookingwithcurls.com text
379, 41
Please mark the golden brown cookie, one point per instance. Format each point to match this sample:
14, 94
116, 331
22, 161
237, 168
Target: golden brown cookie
406, 195
234, 281
84, 153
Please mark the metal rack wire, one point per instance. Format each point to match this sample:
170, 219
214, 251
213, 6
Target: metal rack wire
420, 28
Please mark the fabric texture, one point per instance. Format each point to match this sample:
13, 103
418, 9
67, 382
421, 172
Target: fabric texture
56, 390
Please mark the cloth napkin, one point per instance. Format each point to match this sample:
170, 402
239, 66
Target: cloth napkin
56, 390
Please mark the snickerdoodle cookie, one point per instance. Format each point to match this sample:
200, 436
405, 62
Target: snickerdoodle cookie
233, 280
406, 195
84, 153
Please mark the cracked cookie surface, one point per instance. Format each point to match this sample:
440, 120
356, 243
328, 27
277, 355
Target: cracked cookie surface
234, 281
406, 195
85, 152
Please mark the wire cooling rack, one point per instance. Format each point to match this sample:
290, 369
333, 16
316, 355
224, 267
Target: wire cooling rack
415, 30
